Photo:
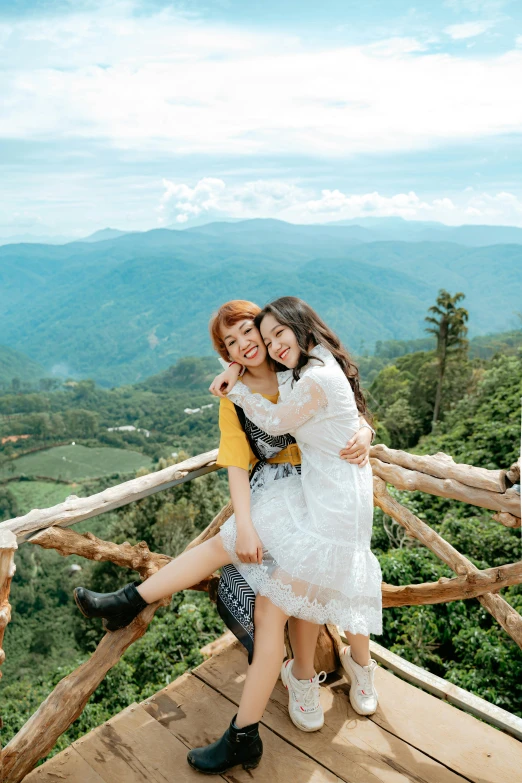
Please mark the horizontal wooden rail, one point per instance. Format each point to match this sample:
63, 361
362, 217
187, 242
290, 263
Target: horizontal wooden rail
140, 558
411, 480
443, 466
76, 509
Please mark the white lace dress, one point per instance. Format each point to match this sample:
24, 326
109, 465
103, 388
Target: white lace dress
316, 530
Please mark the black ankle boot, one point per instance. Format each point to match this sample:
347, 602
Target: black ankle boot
236, 746
118, 609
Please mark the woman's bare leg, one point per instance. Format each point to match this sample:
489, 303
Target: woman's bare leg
359, 647
186, 570
303, 638
268, 656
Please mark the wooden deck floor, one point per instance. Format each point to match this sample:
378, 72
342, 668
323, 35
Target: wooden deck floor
413, 737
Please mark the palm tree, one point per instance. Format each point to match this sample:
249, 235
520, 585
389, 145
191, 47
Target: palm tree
449, 328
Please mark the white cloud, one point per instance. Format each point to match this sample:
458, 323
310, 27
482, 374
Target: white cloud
500, 208
167, 83
334, 202
468, 29
182, 201
214, 199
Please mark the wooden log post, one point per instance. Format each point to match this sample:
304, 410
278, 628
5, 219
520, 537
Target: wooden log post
8, 546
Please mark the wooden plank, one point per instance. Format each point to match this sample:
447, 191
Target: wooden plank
351, 746
467, 701
65, 766
132, 747
197, 714
470, 747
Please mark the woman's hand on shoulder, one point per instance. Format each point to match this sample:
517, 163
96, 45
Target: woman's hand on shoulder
357, 450
249, 547
225, 381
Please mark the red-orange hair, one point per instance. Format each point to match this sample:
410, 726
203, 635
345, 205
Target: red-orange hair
229, 314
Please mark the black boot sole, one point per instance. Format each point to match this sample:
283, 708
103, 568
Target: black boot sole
80, 607
247, 765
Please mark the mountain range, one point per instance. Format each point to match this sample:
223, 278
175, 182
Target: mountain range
363, 229
125, 307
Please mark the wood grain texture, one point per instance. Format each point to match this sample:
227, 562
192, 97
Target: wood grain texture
414, 480
197, 714
353, 747
444, 689
135, 748
442, 466
65, 766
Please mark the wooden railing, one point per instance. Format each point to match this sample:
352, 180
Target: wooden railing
497, 490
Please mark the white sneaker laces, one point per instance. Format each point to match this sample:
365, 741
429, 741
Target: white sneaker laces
309, 691
365, 678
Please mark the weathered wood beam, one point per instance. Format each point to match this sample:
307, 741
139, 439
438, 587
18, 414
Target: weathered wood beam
459, 588
508, 520
68, 542
75, 509
509, 619
442, 466
138, 557
8, 547
411, 480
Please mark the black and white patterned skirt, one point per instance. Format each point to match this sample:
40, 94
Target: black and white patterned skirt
236, 599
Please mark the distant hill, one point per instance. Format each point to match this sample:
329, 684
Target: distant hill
104, 233
120, 310
33, 239
14, 364
401, 230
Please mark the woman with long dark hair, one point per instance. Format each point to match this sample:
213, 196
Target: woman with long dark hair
318, 565
273, 458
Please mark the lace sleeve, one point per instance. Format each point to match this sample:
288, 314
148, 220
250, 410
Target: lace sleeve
304, 401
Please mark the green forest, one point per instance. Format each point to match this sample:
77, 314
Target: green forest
464, 401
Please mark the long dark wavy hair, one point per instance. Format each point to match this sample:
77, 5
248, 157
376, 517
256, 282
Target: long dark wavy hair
311, 330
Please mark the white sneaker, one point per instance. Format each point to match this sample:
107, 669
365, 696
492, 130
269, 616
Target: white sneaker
363, 695
304, 706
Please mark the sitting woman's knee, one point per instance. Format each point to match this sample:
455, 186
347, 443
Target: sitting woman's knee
265, 612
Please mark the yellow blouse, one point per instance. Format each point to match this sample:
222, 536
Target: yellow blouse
234, 448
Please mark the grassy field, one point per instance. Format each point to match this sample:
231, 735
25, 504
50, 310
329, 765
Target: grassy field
75, 463
39, 494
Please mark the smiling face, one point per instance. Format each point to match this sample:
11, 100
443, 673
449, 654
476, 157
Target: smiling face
280, 341
244, 343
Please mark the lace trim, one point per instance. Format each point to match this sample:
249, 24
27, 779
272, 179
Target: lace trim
360, 615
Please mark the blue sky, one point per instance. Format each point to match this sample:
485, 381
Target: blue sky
145, 114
